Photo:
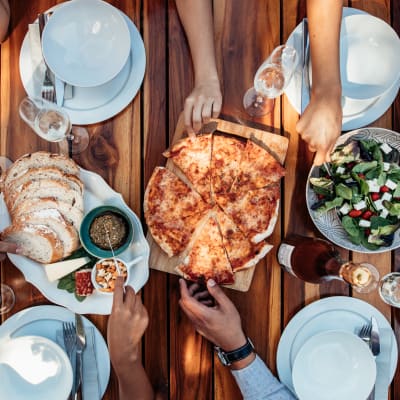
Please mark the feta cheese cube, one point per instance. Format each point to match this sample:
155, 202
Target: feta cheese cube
340, 170
390, 184
360, 205
344, 210
384, 213
349, 180
373, 186
386, 166
378, 204
386, 196
364, 223
385, 148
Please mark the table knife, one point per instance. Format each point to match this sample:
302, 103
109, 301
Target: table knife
60, 90
375, 340
80, 346
305, 78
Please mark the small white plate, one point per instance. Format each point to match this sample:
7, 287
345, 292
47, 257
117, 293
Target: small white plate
333, 313
356, 112
96, 104
45, 321
96, 193
34, 367
329, 223
334, 365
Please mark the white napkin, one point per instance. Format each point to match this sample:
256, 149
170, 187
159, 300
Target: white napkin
91, 383
38, 65
383, 364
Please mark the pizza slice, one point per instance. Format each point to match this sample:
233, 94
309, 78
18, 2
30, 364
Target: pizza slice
192, 156
258, 168
225, 158
255, 211
241, 252
206, 258
172, 210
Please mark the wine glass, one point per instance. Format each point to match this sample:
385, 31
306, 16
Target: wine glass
53, 124
7, 297
270, 80
389, 289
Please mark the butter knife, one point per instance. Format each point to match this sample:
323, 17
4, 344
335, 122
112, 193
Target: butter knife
60, 91
305, 78
375, 340
80, 347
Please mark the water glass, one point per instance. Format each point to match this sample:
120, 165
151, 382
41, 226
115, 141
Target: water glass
7, 299
389, 289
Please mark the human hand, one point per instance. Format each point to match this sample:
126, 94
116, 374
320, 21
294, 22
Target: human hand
204, 102
321, 125
220, 323
126, 326
7, 247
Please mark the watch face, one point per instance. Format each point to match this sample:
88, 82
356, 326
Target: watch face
222, 356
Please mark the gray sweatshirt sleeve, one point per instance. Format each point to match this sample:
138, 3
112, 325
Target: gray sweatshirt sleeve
256, 382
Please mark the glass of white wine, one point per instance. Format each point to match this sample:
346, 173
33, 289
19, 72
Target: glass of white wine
270, 81
53, 124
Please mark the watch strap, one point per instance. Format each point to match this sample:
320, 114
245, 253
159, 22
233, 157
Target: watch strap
229, 357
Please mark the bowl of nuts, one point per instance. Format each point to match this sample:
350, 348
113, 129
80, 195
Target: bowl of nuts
106, 271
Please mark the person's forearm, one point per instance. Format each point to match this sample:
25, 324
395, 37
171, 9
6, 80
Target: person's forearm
197, 20
134, 384
324, 19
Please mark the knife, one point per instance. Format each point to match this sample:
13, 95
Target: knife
375, 341
80, 346
60, 90
305, 78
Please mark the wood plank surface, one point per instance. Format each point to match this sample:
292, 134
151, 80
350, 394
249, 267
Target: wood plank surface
126, 148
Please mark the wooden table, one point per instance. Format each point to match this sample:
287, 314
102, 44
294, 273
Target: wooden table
126, 148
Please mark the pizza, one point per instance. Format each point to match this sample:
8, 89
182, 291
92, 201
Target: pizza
192, 155
215, 205
206, 257
172, 210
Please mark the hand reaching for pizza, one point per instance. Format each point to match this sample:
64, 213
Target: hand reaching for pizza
220, 323
6, 247
203, 103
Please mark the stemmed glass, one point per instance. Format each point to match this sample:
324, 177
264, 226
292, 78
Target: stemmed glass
7, 297
270, 80
53, 124
389, 289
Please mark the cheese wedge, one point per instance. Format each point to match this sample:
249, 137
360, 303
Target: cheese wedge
59, 269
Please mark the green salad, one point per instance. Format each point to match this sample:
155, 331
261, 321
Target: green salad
364, 188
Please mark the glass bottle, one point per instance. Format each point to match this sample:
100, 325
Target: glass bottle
316, 261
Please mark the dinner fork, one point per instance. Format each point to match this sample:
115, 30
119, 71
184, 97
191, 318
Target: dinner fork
69, 337
365, 333
48, 91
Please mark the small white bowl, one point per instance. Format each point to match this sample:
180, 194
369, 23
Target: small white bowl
35, 368
98, 271
334, 365
86, 43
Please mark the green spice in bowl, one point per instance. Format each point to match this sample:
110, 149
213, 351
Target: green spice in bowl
103, 227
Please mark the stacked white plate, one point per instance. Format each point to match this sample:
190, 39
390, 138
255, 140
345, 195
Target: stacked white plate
93, 47
369, 68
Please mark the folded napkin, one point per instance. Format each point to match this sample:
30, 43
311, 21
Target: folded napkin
383, 364
38, 65
91, 382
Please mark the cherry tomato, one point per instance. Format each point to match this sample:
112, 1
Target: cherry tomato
375, 196
320, 196
367, 214
384, 189
362, 176
368, 231
355, 213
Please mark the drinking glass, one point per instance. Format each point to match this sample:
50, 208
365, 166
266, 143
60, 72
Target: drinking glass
270, 81
7, 299
53, 124
389, 289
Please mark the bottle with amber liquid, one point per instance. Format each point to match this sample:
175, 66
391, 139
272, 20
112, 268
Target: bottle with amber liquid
316, 261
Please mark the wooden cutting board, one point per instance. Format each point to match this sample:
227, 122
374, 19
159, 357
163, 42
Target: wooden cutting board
275, 144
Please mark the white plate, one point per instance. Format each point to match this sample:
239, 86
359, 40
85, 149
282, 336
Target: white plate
96, 104
96, 193
329, 223
34, 367
333, 313
356, 112
334, 365
45, 321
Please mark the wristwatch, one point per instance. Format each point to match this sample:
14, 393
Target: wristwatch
229, 357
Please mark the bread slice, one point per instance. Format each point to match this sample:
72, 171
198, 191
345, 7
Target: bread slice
38, 160
44, 188
70, 213
53, 219
37, 242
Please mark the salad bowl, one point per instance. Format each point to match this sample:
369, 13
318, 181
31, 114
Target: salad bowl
330, 220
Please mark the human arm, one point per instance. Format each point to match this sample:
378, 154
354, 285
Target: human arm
220, 323
4, 19
321, 123
205, 100
126, 326
6, 247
